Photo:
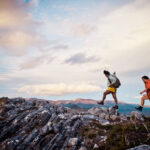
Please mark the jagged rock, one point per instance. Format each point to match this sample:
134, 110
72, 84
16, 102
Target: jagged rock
40, 125
47, 128
82, 148
104, 113
61, 109
113, 111
3, 101
73, 141
104, 116
63, 116
114, 117
141, 147
95, 146
1, 118
98, 110
92, 117
103, 138
123, 117
137, 116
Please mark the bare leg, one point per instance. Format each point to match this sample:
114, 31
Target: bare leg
144, 97
115, 98
104, 95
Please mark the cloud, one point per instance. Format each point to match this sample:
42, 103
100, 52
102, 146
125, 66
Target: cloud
34, 2
18, 42
58, 89
17, 27
139, 71
15, 15
3, 78
122, 36
81, 58
60, 47
65, 7
36, 62
82, 30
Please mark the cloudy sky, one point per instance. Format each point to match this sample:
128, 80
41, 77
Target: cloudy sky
59, 49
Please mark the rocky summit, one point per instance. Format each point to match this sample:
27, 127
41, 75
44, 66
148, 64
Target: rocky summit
41, 125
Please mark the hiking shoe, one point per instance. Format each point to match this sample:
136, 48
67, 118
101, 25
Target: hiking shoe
100, 103
139, 108
115, 107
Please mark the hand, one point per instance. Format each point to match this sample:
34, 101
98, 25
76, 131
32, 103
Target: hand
141, 93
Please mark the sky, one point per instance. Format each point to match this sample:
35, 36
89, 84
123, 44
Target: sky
58, 49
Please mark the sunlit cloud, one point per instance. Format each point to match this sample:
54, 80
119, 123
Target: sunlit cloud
18, 26
58, 89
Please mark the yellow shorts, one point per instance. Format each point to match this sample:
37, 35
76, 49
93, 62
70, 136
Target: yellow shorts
112, 89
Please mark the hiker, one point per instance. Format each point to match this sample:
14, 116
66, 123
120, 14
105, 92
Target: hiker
113, 84
146, 96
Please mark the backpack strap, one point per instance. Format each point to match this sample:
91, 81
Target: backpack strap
109, 80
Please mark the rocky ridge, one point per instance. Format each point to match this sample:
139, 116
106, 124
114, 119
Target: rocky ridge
40, 125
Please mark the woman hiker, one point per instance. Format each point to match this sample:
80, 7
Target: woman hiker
146, 96
113, 84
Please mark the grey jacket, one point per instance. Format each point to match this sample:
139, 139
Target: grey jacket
112, 79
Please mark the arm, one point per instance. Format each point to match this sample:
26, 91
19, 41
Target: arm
143, 91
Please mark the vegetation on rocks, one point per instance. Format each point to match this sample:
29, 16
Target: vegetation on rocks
119, 137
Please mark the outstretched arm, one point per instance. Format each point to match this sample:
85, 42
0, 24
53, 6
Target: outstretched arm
143, 91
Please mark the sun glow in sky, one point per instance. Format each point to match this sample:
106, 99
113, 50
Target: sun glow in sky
58, 49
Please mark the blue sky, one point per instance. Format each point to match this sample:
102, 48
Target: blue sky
59, 49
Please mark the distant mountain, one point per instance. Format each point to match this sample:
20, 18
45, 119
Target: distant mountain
81, 103
81, 100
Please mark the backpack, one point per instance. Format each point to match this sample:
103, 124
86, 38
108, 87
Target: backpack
117, 84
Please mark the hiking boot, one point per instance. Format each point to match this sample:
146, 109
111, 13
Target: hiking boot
115, 107
100, 103
139, 108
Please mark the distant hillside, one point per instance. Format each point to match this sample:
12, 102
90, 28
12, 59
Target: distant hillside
81, 103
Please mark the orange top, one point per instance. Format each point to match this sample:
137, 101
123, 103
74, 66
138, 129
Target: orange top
147, 86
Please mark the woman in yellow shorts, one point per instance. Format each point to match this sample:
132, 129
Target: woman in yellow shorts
111, 90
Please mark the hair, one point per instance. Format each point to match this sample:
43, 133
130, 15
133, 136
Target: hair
106, 72
145, 77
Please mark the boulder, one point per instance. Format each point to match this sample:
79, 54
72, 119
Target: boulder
103, 115
123, 117
95, 146
137, 115
113, 111
100, 120
98, 110
114, 117
103, 138
73, 142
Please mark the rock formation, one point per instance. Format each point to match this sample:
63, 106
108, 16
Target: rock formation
40, 125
